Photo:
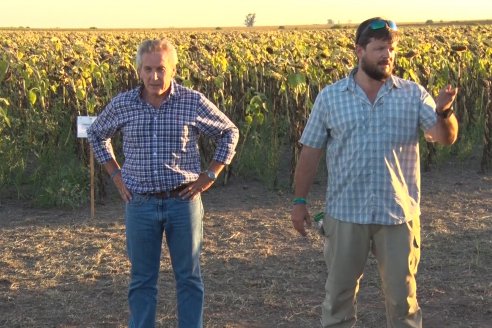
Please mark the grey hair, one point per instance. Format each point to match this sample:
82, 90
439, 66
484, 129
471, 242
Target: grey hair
149, 46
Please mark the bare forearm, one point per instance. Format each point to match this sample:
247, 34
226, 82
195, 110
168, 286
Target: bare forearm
110, 166
445, 131
449, 128
216, 167
306, 169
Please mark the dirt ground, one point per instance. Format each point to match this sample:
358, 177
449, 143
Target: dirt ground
59, 268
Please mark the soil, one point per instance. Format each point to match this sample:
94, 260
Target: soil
60, 268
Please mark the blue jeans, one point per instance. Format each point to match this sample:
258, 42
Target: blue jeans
147, 219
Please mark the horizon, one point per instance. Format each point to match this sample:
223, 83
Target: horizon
242, 27
123, 14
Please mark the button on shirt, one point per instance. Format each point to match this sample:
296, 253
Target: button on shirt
161, 145
372, 150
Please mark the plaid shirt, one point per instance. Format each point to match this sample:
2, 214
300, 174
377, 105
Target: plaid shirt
372, 150
161, 145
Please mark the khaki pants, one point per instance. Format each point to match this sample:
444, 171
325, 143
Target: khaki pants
397, 250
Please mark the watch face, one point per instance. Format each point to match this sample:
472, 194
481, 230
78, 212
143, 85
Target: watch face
211, 175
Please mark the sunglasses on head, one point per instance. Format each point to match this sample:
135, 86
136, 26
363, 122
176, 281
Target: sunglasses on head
377, 25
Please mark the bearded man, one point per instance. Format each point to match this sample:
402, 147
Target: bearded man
369, 123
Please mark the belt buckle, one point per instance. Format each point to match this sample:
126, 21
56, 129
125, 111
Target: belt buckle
169, 193
158, 195
164, 194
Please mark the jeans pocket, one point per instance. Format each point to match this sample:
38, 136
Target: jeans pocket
137, 200
197, 198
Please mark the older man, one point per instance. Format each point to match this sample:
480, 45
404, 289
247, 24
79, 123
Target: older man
161, 178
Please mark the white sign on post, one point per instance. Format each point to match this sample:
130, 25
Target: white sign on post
83, 123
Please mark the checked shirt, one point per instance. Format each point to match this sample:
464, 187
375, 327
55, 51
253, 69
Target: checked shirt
372, 150
161, 145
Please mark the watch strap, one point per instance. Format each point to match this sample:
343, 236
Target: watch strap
445, 113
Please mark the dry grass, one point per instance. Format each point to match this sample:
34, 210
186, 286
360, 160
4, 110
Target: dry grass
59, 269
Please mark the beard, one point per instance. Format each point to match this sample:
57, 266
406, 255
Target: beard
374, 71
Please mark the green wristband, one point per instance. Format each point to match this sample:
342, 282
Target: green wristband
299, 200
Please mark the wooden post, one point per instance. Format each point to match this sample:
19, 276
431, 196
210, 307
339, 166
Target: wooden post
93, 208
83, 123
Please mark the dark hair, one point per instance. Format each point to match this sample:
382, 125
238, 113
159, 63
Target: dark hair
365, 33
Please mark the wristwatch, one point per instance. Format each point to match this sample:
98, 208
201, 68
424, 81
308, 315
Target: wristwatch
445, 113
210, 174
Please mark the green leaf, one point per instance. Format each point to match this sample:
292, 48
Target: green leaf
4, 66
188, 84
413, 75
261, 118
32, 97
5, 101
219, 82
3, 114
80, 94
296, 79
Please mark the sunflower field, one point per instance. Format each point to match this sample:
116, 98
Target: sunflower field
264, 80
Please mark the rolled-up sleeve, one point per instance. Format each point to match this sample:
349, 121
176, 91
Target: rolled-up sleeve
100, 133
216, 125
226, 147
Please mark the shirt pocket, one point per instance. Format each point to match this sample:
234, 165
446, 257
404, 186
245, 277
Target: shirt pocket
180, 140
400, 117
348, 123
179, 133
137, 132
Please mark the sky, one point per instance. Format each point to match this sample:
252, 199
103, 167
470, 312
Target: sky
226, 13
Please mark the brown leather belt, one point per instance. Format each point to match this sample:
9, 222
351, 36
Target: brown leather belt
167, 194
